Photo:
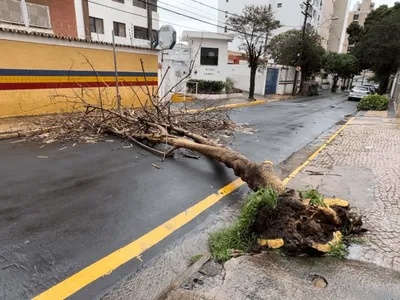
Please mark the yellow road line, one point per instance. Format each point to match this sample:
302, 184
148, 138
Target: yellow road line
234, 105
111, 262
295, 172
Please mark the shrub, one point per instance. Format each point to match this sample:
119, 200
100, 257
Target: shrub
229, 85
205, 86
373, 102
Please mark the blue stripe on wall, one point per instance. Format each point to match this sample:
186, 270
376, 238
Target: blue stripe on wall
26, 72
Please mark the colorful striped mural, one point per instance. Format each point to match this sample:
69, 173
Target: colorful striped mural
25, 79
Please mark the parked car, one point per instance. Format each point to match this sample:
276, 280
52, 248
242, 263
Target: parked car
359, 92
372, 88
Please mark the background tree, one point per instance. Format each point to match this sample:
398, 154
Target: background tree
341, 66
253, 27
377, 46
355, 32
289, 49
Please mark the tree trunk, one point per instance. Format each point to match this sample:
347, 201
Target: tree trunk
253, 70
256, 175
302, 80
334, 85
383, 83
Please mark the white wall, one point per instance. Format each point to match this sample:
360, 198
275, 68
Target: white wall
125, 13
217, 73
240, 74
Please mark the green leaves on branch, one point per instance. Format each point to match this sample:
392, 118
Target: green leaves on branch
341, 65
252, 27
377, 44
289, 49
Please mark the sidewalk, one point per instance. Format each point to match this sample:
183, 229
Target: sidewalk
361, 165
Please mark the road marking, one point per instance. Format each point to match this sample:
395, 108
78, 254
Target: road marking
319, 150
111, 262
236, 105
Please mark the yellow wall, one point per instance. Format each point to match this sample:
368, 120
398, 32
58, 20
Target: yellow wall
25, 55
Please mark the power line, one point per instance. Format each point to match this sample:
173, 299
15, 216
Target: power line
155, 19
191, 12
210, 6
181, 14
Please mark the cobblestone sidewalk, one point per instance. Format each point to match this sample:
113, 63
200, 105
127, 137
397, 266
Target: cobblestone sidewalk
362, 165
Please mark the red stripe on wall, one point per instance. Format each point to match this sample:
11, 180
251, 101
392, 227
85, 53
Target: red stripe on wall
64, 85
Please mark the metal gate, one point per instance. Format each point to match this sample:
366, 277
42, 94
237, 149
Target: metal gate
272, 81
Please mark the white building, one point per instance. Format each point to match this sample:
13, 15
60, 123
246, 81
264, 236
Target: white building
209, 53
128, 19
288, 12
205, 54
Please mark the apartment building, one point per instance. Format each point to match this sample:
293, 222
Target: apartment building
288, 12
358, 14
128, 19
83, 19
337, 29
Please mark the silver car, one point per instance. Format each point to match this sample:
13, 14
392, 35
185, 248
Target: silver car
359, 92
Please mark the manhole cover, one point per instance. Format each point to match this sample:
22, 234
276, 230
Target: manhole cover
317, 281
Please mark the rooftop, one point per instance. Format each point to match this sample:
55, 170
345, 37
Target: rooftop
186, 35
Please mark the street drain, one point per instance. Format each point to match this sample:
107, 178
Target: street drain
317, 281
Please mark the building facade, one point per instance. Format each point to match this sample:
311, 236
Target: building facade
337, 29
45, 16
83, 19
358, 14
128, 19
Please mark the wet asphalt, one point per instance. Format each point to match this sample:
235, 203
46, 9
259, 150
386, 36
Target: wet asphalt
62, 213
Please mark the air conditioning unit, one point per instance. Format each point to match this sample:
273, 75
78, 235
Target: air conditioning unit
10, 12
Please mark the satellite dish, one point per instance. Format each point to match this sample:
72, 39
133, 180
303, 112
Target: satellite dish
166, 37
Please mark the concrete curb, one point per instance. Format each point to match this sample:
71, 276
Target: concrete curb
184, 276
236, 105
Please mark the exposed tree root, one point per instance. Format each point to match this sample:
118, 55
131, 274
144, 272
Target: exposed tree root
303, 226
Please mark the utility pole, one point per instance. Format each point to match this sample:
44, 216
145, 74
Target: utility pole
306, 15
116, 74
150, 23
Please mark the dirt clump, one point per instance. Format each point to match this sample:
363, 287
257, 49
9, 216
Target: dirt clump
301, 224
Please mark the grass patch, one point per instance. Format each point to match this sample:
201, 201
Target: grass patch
338, 250
195, 258
238, 236
315, 197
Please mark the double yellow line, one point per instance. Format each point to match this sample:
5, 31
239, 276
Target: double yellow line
111, 262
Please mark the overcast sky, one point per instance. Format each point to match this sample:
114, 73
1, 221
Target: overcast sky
196, 10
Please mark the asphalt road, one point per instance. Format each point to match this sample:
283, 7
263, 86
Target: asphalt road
62, 213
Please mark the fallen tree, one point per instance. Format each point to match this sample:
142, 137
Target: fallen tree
157, 122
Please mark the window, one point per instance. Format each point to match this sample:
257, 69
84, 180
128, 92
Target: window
119, 29
139, 3
209, 57
226, 29
120, 1
96, 25
356, 17
279, 5
141, 33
